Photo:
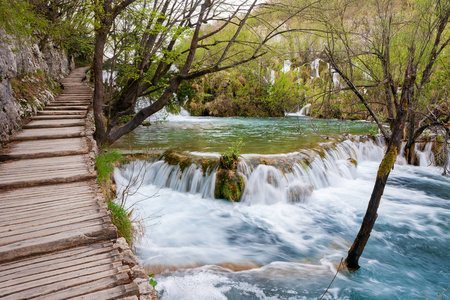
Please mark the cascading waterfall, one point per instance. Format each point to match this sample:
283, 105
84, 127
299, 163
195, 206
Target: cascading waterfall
278, 178
161, 174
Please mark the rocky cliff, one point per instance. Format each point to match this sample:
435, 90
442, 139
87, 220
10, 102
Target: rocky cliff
29, 77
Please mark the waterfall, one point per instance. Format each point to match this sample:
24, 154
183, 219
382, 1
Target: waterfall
426, 156
336, 81
315, 68
271, 178
188, 180
286, 66
305, 110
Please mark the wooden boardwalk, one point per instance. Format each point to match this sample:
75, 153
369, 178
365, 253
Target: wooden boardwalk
56, 235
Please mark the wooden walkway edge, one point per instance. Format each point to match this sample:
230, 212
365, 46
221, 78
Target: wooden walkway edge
56, 236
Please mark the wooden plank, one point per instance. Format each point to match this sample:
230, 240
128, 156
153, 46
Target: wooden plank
62, 112
57, 241
42, 173
23, 215
99, 255
61, 222
49, 230
112, 293
36, 182
52, 117
72, 107
88, 290
46, 163
50, 191
54, 123
88, 250
48, 285
44, 202
10, 219
43, 148
100, 264
75, 95
69, 103
102, 284
50, 225
46, 133
33, 146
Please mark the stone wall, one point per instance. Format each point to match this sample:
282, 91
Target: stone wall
21, 61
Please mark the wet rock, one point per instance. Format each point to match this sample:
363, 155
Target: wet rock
144, 286
298, 192
139, 272
353, 161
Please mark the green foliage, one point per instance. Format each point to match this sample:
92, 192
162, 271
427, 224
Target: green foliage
18, 18
121, 219
125, 119
234, 150
65, 24
105, 165
283, 95
152, 281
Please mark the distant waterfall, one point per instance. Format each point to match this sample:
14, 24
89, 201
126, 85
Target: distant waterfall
305, 110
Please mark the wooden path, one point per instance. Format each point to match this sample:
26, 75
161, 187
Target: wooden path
56, 235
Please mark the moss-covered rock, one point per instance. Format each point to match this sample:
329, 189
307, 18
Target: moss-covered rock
229, 185
173, 158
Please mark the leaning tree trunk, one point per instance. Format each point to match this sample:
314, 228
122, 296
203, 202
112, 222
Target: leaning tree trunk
371, 214
384, 170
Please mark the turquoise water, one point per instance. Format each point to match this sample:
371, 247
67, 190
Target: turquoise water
260, 135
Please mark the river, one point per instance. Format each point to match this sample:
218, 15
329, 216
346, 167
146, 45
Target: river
283, 241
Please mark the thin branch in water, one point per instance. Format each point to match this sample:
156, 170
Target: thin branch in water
337, 271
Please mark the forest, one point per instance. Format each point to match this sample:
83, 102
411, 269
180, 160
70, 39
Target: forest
270, 88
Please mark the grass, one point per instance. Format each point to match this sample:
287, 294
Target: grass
105, 164
121, 218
